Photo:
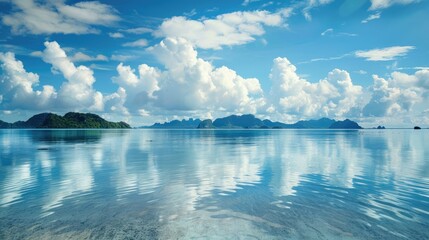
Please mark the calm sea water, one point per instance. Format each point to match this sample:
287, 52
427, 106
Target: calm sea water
237, 184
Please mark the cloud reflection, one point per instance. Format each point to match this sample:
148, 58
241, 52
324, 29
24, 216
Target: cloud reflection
183, 173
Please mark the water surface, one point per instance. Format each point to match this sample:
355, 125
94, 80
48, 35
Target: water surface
224, 184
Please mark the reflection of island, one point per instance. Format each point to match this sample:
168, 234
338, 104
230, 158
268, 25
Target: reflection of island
249, 121
69, 136
69, 120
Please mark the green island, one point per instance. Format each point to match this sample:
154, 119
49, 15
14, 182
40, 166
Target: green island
69, 120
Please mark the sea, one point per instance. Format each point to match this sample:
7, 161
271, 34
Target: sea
214, 184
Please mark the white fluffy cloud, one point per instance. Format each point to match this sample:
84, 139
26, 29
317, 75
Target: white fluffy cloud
188, 83
225, 30
16, 86
398, 94
292, 95
76, 92
384, 54
29, 16
381, 4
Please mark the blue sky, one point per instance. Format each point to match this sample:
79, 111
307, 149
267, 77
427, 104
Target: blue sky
148, 61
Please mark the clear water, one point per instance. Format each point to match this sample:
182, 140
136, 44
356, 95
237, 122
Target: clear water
238, 184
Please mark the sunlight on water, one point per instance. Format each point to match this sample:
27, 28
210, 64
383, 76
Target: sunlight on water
250, 184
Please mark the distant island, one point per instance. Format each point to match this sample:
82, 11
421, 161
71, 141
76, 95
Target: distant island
69, 120
249, 121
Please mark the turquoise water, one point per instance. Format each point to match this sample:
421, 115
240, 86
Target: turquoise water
236, 184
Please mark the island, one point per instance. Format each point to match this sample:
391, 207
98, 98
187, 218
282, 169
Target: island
69, 120
249, 121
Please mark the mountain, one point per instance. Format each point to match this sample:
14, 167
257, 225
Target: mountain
206, 124
346, 124
249, 121
234, 121
69, 120
268, 124
176, 124
321, 123
4, 124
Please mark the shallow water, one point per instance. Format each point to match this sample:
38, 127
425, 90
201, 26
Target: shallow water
221, 184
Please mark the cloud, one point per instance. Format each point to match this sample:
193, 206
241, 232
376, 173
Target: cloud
225, 30
122, 58
77, 57
140, 30
310, 4
397, 94
267, 4
77, 92
381, 4
82, 57
36, 54
116, 35
294, 96
327, 31
384, 54
191, 13
371, 17
17, 87
188, 83
326, 58
246, 2
330, 32
57, 17
138, 43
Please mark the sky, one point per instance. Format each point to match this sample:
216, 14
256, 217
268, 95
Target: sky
157, 60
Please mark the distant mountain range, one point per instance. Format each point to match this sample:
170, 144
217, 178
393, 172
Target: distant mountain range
69, 120
249, 121
183, 124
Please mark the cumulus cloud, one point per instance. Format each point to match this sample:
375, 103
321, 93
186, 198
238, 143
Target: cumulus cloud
381, 4
292, 95
77, 92
384, 54
187, 83
17, 86
137, 43
229, 29
397, 94
57, 17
